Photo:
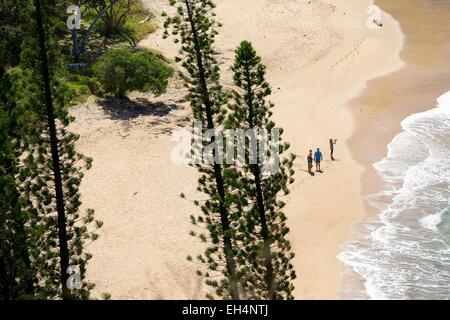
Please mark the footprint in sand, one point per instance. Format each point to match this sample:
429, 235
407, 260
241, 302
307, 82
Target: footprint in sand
354, 52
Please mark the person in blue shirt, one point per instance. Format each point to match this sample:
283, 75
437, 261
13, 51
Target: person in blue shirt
317, 159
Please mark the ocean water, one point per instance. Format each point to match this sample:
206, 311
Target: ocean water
404, 252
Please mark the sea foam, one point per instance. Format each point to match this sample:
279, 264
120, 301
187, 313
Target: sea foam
404, 253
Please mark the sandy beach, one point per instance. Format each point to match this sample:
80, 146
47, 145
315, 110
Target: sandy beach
320, 55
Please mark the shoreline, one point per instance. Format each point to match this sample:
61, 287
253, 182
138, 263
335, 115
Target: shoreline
380, 101
388, 100
349, 78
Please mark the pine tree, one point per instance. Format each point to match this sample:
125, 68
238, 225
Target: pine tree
56, 165
42, 218
17, 278
15, 275
195, 28
272, 272
59, 170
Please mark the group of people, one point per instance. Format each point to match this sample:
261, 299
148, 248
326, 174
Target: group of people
317, 157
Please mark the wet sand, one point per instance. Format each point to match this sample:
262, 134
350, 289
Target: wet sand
414, 88
380, 108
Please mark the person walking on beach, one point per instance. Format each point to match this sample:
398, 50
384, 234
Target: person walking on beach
318, 158
332, 143
310, 162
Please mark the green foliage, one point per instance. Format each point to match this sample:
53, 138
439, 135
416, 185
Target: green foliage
16, 276
106, 296
265, 249
135, 24
106, 22
122, 70
248, 255
77, 91
125, 21
115, 17
95, 87
195, 28
30, 260
11, 32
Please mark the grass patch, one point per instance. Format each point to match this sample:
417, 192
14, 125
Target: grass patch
78, 89
140, 13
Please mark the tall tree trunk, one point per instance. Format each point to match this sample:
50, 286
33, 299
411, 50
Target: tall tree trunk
228, 249
62, 232
75, 46
80, 49
256, 170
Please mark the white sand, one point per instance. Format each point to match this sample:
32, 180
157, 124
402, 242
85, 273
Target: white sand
319, 55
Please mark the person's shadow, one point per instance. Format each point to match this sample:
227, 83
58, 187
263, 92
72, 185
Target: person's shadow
311, 173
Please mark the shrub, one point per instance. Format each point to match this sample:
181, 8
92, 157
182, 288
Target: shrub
94, 87
74, 92
123, 70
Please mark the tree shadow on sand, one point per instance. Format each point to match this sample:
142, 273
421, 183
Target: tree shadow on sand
127, 109
190, 289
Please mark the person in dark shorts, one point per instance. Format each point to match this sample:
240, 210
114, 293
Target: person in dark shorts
310, 162
318, 157
332, 143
